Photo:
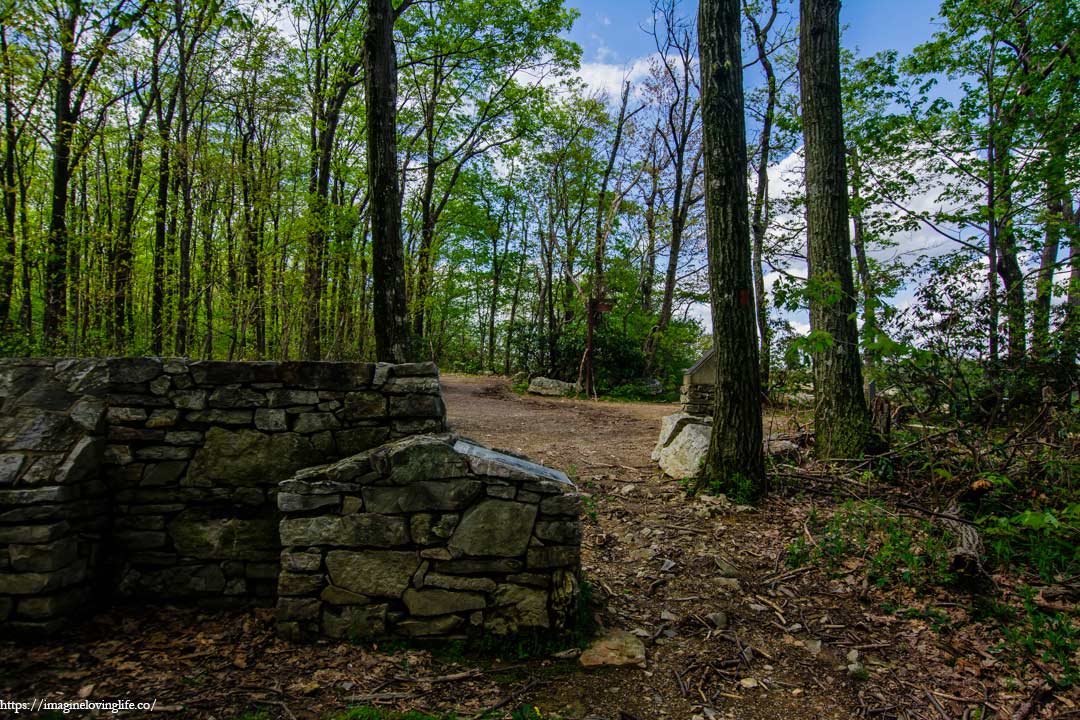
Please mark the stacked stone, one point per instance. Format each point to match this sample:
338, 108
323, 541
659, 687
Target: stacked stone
697, 399
196, 450
52, 501
425, 537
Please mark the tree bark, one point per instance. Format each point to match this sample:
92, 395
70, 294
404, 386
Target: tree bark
841, 419
735, 463
388, 261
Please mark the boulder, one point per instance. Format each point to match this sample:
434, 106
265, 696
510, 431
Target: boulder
552, 388
671, 426
683, 456
780, 449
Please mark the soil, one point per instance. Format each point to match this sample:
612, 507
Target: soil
660, 565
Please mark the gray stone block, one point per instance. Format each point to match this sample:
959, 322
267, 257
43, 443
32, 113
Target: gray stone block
376, 573
231, 398
290, 584
315, 422
432, 495
354, 622
287, 396
494, 528
10, 466
363, 405
349, 531
163, 418
441, 602
44, 557
270, 420
291, 502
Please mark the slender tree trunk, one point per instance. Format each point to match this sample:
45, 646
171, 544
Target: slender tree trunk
1071, 323
841, 419
1044, 286
10, 191
862, 263
125, 236
735, 463
26, 303
1012, 277
587, 374
648, 262
517, 297
161, 210
56, 276
380, 58
759, 223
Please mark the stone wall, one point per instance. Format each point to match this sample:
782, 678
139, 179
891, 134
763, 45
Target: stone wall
157, 478
196, 451
53, 504
697, 399
427, 537
699, 387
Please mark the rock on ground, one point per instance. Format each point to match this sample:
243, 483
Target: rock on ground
615, 648
553, 388
683, 456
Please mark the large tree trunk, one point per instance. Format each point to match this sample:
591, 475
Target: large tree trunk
388, 261
841, 419
735, 463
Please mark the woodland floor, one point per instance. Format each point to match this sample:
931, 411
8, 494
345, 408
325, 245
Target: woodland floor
768, 663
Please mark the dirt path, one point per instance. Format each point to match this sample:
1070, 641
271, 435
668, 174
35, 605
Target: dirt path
572, 435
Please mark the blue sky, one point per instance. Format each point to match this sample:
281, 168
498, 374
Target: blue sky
609, 31
615, 46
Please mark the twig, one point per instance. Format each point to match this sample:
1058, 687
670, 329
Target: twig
452, 677
937, 706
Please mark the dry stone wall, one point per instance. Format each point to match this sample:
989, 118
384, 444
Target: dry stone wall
53, 503
157, 478
196, 451
427, 537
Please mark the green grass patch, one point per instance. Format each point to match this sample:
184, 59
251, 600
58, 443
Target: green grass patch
894, 549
